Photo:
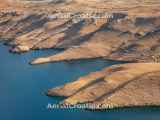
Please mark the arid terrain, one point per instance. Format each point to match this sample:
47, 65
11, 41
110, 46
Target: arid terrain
120, 30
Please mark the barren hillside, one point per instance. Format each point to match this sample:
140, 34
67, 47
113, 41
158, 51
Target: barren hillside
122, 30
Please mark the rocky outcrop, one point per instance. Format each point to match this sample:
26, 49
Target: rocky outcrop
20, 48
133, 84
143, 91
142, 50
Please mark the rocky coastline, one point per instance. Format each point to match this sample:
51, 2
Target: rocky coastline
130, 32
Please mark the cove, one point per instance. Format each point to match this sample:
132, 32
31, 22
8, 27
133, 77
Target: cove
22, 88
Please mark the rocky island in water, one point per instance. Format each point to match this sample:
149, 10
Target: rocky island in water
119, 30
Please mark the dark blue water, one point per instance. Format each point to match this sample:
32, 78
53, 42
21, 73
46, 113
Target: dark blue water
22, 87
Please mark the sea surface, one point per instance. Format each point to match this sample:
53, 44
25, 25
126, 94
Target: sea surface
22, 88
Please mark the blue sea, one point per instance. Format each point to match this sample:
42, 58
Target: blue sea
22, 88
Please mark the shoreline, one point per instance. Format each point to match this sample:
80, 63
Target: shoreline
132, 36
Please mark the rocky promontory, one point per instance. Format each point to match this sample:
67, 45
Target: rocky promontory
133, 84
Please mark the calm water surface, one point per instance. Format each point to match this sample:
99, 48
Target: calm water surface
22, 87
